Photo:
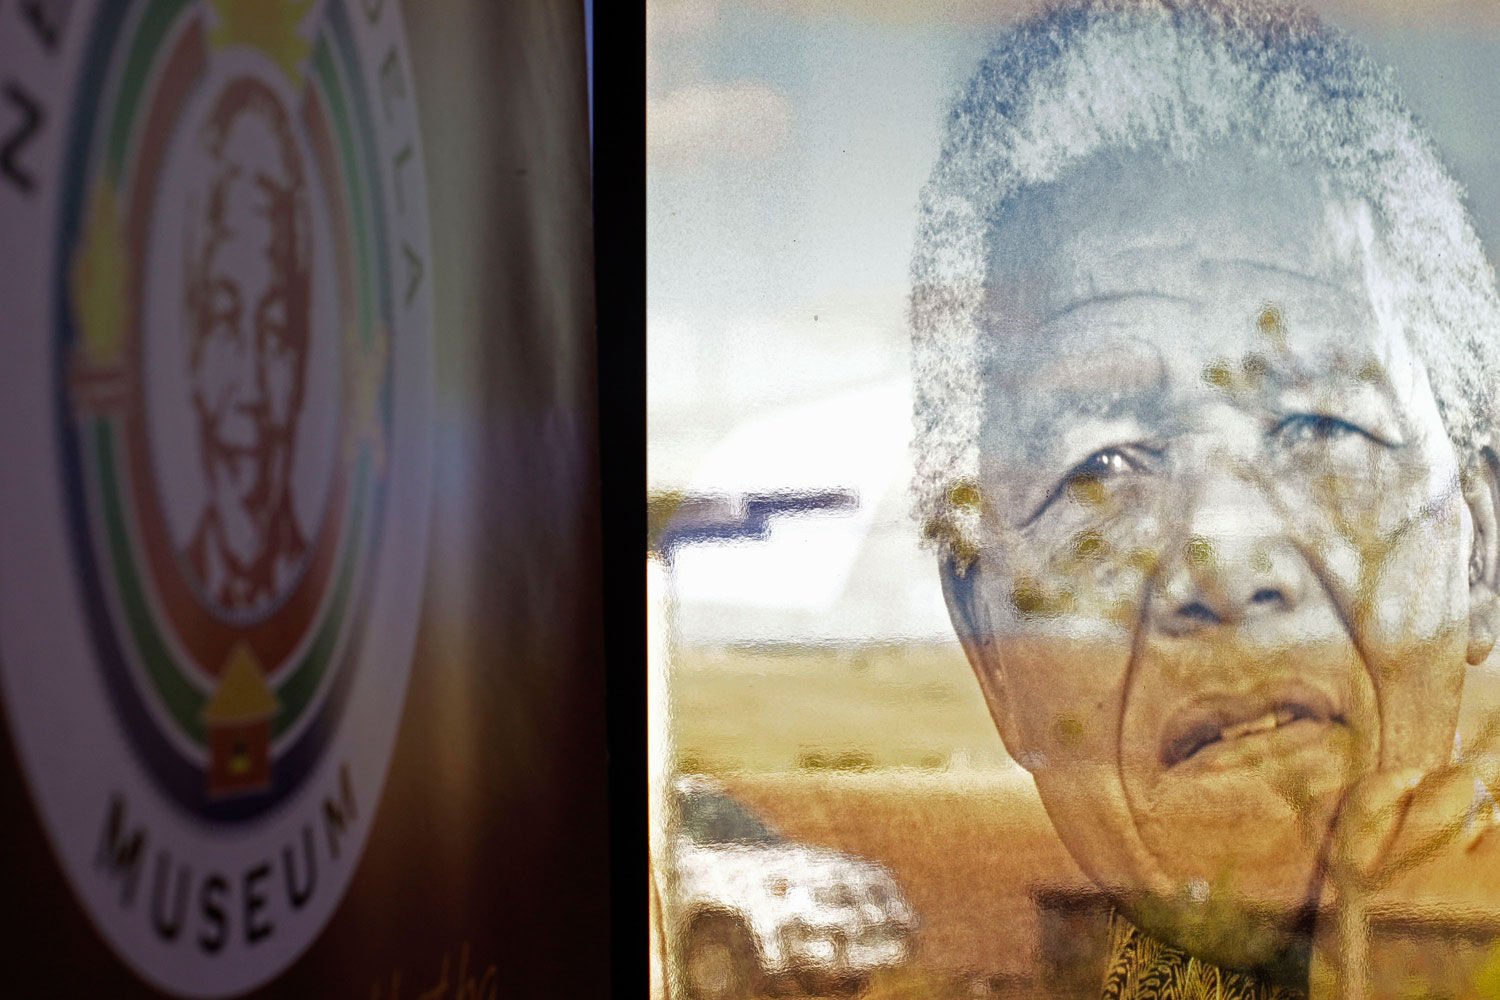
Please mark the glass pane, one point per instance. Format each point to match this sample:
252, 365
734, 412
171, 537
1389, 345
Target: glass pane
1073, 499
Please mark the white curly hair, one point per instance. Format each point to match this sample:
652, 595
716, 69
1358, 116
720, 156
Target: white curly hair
1177, 77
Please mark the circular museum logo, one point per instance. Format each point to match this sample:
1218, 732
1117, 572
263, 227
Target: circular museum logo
212, 538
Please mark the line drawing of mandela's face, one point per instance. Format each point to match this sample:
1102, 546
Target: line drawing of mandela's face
249, 329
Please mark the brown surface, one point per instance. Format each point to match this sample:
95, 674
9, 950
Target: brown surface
967, 851
974, 854
491, 839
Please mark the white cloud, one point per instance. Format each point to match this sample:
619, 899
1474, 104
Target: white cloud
1426, 14
982, 13
679, 17
740, 120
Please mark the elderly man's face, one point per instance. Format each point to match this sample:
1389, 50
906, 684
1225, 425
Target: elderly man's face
1225, 567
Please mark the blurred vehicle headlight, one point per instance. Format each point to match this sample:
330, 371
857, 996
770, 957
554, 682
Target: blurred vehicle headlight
809, 943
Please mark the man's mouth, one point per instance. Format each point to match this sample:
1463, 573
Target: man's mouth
1216, 724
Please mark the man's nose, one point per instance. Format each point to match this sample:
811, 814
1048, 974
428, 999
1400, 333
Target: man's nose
1233, 562
251, 384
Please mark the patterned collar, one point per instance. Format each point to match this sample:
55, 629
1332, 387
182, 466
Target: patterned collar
1143, 968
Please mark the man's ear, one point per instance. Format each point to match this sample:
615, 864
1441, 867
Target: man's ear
971, 620
1481, 483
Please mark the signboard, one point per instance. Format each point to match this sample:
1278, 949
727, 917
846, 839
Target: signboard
1073, 487
221, 377
242, 502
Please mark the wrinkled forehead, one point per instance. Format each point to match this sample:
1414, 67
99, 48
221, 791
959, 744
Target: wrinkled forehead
1128, 267
1088, 231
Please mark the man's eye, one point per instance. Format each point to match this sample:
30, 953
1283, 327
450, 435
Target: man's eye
1302, 428
1084, 483
1103, 464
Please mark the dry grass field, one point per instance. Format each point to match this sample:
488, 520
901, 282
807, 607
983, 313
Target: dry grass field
968, 848
889, 752
788, 708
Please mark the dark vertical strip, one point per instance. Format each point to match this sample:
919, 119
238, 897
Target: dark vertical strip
619, 82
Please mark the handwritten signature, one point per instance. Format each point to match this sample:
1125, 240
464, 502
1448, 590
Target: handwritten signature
465, 984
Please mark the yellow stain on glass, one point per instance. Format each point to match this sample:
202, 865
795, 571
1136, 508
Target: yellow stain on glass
1068, 730
961, 548
1032, 599
1272, 325
1086, 490
1219, 375
964, 496
1090, 545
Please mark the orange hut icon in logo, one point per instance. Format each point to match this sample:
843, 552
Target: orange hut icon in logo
237, 720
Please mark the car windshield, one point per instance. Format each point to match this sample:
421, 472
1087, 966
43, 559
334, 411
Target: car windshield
715, 818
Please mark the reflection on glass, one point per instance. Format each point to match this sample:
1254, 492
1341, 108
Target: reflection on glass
710, 817
1202, 360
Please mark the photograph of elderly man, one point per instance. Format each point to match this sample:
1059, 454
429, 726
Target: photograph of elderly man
1205, 361
1075, 498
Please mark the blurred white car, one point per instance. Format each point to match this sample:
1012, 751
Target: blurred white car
752, 909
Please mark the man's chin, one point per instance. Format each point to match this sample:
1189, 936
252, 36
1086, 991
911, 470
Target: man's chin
1242, 850
1232, 931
